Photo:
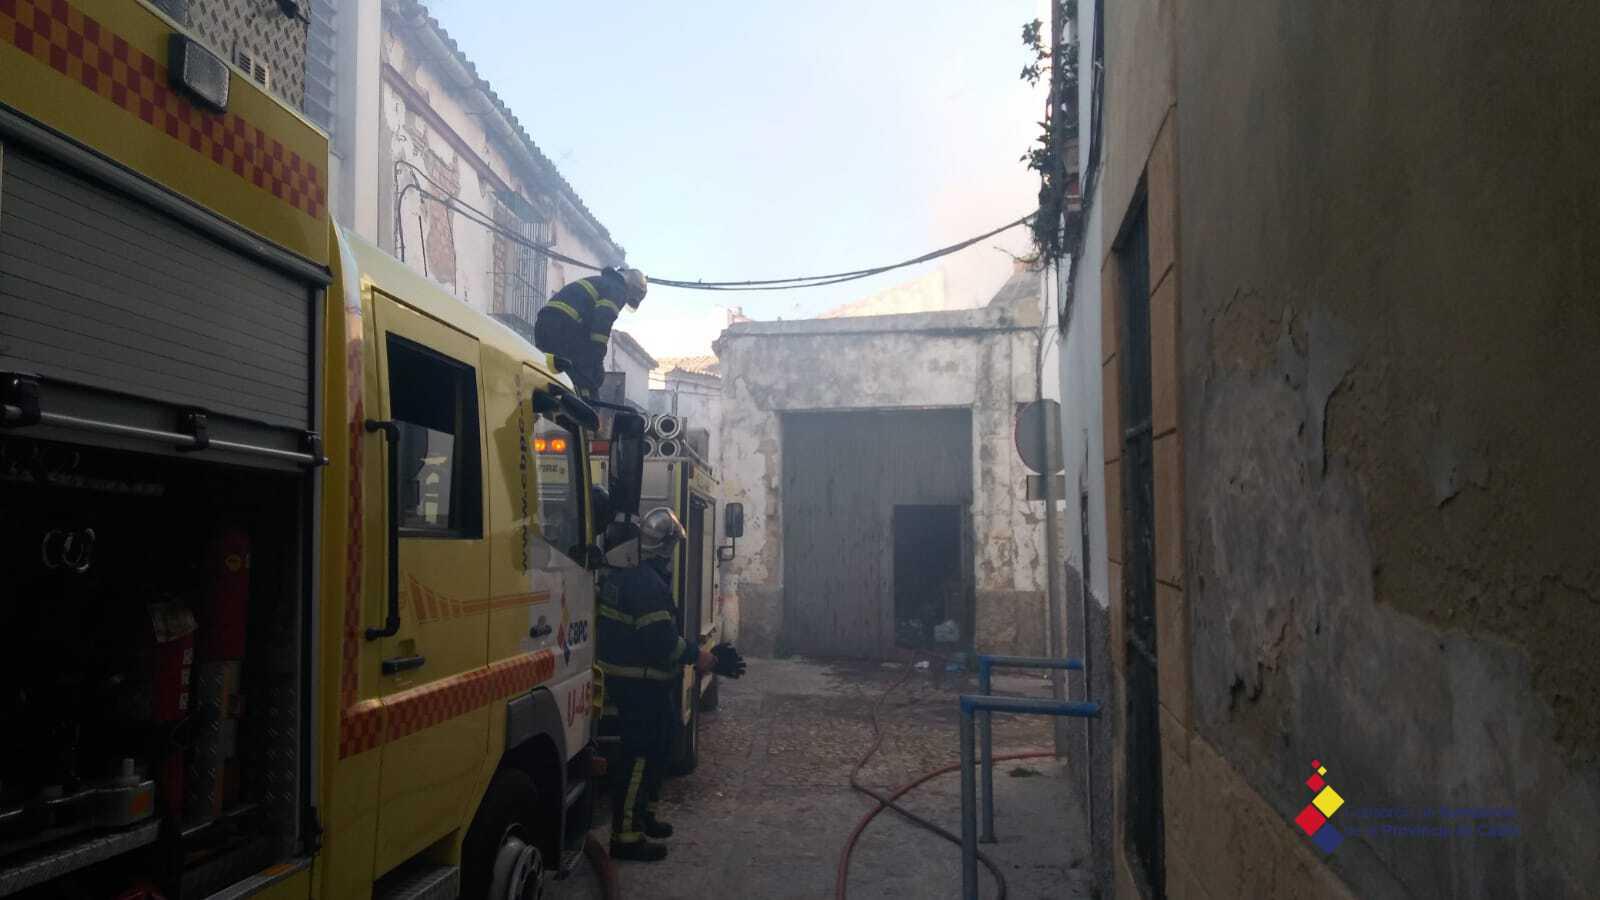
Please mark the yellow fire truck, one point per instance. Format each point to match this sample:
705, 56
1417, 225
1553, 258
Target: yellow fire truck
298, 552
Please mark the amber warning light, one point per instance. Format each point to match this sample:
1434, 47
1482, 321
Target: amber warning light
549, 445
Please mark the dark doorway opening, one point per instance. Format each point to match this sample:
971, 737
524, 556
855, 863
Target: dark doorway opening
931, 603
1143, 822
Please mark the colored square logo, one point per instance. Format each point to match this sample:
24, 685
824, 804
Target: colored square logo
1315, 782
1328, 801
1310, 819
1328, 838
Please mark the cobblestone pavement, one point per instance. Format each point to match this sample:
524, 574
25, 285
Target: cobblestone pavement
769, 808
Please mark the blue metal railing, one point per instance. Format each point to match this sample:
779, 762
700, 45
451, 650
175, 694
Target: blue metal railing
974, 703
986, 665
981, 707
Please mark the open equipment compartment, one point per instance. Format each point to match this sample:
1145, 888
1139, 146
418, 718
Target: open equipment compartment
155, 683
158, 459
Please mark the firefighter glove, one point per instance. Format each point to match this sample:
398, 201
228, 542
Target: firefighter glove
729, 663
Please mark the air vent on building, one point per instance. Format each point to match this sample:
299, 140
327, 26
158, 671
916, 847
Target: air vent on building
253, 66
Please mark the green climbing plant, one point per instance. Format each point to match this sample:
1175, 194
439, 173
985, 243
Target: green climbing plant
1055, 59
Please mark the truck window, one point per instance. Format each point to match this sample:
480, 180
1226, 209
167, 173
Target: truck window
560, 477
434, 399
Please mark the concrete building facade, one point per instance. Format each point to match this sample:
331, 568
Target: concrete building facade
837, 433
1335, 305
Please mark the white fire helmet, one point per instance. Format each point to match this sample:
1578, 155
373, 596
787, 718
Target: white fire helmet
659, 533
637, 286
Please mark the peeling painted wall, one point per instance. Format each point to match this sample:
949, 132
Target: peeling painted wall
1390, 221
982, 359
422, 105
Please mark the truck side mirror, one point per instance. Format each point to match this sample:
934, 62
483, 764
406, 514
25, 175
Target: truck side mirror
732, 529
627, 463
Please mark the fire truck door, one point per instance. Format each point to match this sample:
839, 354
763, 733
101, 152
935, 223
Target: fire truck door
437, 740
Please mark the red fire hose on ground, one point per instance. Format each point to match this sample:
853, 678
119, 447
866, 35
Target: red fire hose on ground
604, 868
888, 802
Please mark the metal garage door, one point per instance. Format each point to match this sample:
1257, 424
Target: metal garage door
843, 476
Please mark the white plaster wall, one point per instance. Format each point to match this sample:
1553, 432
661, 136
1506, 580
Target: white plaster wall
1080, 358
1082, 438
806, 367
355, 152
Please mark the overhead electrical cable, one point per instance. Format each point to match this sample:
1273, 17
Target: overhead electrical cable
479, 217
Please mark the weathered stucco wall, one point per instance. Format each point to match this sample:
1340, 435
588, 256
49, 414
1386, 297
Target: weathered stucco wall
982, 359
433, 133
1390, 221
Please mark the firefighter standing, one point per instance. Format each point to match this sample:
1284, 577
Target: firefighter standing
641, 656
576, 324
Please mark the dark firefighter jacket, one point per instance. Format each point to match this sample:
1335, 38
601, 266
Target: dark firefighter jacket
576, 323
641, 653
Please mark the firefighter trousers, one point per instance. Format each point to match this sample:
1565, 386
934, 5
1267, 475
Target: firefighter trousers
643, 722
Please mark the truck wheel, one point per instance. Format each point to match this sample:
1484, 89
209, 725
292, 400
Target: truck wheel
500, 857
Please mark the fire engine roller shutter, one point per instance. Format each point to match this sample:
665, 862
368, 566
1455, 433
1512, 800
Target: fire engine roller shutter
101, 295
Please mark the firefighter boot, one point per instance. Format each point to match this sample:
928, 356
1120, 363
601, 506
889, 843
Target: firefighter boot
639, 851
655, 828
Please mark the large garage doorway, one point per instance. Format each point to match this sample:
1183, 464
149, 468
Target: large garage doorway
845, 474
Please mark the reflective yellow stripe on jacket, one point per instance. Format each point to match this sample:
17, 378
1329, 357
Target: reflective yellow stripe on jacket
559, 305
645, 673
617, 615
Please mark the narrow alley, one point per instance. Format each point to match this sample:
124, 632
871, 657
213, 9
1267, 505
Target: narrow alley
770, 806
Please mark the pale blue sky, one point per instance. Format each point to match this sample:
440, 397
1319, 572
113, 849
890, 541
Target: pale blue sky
727, 140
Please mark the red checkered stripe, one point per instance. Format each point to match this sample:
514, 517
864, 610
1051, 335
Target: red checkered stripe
372, 723
426, 706
60, 36
349, 678
360, 728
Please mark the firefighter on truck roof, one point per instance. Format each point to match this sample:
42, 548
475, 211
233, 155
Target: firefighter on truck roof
575, 325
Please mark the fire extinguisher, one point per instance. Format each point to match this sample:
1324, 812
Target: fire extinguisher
227, 598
